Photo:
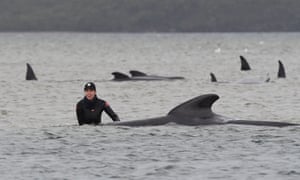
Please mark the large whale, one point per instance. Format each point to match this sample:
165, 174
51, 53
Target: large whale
29, 73
139, 76
196, 112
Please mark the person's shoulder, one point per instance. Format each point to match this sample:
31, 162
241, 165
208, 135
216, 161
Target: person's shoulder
103, 102
81, 101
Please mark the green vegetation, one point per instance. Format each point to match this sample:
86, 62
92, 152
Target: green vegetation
150, 15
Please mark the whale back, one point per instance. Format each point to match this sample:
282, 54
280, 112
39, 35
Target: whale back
281, 70
199, 107
135, 73
244, 64
29, 73
118, 76
213, 77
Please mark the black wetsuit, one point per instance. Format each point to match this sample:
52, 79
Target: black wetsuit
89, 112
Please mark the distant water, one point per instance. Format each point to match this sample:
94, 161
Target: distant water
40, 138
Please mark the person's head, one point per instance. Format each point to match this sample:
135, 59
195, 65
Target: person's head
90, 90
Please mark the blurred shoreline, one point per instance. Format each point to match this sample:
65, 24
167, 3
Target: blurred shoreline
150, 16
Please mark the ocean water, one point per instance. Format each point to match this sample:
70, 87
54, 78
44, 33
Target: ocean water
40, 138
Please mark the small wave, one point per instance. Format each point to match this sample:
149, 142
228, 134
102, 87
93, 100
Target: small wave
50, 135
291, 172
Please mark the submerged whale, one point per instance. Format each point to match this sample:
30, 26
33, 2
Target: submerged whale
281, 70
140, 76
29, 73
244, 64
118, 76
243, 81
135, 73
213, 77
195, 112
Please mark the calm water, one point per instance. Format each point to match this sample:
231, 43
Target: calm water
40, 139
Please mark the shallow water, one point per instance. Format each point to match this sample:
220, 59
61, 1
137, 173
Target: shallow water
40, 138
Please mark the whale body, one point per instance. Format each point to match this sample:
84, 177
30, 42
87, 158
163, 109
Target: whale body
140, 76
135, 73
196, 112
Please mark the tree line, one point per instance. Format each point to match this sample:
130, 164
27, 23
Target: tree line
150, 15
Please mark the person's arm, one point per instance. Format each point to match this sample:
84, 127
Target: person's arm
110, 112
80, 115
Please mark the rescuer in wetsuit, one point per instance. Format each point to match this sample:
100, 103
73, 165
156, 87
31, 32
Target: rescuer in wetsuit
90, 108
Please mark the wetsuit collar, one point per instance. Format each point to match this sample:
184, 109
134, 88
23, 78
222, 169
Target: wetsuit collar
90, 104
93, 100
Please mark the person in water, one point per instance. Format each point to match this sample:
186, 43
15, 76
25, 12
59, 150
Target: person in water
90, 108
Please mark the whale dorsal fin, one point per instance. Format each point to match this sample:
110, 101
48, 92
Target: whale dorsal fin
135, 73
199, 106
29, 73
213, 77
120, 76
268, 79
244, 64
281, 70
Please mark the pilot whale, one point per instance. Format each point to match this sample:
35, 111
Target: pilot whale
243, 81
196, 112
135, 73
213, 77
244, 64
29, 73
281, 70
140, 76
118, 76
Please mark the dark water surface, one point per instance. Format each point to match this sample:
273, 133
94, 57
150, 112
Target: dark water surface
40, 139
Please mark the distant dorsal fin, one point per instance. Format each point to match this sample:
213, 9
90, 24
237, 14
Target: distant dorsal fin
198, 104
29, 73
281, 70
135, 73
213, 77
268, 79
120, 76
244, 64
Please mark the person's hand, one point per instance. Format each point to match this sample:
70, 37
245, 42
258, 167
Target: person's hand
117, 120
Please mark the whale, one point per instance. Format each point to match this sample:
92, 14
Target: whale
30, 75
139, 76
244, 64
281, 70
197, 112
213, 79
118, 76
135, 73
